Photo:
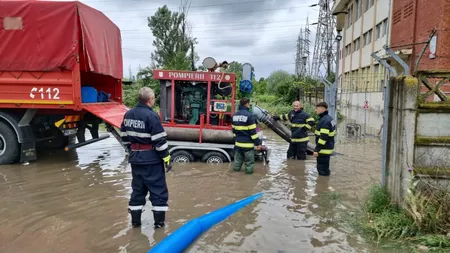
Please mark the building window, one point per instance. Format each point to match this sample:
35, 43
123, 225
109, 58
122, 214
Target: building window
381, 86
350, 16
379, 30
368, 37
368, 4
376, 68
356, 45
358, 8
385, 24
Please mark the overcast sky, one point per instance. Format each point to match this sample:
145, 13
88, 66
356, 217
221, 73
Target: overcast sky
260, 32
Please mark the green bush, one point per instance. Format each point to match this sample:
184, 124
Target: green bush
424, 220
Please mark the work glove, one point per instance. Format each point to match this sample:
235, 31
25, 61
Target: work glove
167, 163
276, 118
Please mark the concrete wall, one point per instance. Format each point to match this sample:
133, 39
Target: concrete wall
418, 135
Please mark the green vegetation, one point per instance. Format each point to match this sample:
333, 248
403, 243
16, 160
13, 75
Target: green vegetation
174, 49
423, 223
285, 88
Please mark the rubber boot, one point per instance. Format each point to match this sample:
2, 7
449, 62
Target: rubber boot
159, 217
135, 217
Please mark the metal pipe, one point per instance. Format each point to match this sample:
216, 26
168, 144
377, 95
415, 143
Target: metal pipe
81, 144
385, 132
172, 103
386, 103
336, 81
193, 135
384, 63
416, 66
398, 59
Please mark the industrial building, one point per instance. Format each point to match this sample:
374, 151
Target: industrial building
365, 31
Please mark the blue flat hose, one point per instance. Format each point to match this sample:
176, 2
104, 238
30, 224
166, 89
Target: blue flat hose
181, 238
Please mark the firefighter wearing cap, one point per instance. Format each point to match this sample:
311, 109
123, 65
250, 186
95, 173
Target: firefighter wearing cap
145, 138
246, 137
325, 132
301, 122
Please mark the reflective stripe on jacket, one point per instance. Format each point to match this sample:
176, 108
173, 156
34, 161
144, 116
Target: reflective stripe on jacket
244, 129
301, 122
142, 125
325, 132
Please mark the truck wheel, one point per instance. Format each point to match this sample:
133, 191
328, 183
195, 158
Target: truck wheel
9, 145
182, 156
214, 158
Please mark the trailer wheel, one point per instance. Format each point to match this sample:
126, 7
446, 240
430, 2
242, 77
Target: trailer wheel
9, 145
182, 156
214, 158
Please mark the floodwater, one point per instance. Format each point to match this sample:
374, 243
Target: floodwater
77, 202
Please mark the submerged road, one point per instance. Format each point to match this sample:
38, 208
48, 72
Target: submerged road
77, 202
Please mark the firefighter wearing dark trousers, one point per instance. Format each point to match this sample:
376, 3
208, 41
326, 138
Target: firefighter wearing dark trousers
301, 122
325, 132
246, 137
145, 138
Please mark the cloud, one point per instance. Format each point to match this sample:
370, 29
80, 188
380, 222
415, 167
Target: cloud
260, 32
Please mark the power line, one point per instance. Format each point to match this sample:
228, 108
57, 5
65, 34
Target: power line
224, 39
194, 6
254, 64
231, 12
231, 36
263, 44
225, 25
247, 28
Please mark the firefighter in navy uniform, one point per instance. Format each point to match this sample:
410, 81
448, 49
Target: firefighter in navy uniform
325, 132
246, 137
301, 122
145, 137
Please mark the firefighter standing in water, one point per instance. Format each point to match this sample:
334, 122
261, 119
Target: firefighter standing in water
301, 122
145, 138
246, 137
325, 132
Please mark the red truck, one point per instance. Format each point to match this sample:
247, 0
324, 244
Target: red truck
60, 74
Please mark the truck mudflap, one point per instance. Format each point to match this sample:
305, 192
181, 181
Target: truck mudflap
110, 113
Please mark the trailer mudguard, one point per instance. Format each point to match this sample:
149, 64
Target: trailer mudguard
24, 133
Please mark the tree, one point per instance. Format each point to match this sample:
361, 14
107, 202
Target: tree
174, 46
278, 81
260, 86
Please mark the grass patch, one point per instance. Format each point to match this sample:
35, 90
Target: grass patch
423, 224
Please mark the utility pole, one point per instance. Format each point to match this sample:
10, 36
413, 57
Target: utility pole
302, 54
324, 55
192, 57
130, 74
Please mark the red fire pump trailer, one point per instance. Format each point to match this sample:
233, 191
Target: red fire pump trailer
196, 110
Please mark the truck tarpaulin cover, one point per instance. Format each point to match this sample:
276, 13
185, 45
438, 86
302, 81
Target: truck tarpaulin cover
44, 36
